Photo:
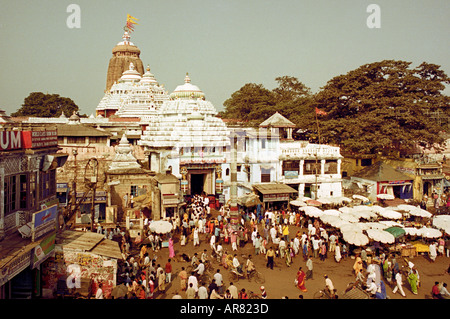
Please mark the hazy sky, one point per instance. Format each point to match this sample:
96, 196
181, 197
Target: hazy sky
223, 44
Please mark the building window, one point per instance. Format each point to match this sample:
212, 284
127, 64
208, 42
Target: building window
263, 143
47, 184
227, 172
23, 180
366, 161
133, 190
265, 175
10, 199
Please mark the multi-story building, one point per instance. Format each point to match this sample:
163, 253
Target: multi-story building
29, 210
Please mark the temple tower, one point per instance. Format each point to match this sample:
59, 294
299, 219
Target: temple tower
123, 53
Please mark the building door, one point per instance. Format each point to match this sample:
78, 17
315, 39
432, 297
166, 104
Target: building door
197, 183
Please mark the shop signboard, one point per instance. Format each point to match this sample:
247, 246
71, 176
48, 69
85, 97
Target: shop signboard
10, 140
43, 250
290, 174
44, 221
39, 139
14, 267
275, 197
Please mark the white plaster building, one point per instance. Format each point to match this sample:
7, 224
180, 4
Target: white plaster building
186, 137
133, 96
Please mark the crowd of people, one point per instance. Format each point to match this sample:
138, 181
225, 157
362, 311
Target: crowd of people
271, 236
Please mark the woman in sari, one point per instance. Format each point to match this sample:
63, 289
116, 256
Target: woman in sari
171, 250
413, 279
337, 253
301, 280
358, 265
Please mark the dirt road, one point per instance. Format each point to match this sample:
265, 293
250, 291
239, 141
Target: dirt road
279, 282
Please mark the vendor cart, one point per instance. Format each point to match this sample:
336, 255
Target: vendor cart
355, 291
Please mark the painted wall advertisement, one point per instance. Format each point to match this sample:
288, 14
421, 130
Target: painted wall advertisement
44, 221
71, 266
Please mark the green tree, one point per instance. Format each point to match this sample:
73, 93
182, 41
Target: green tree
383, 106
252, 102
46, 105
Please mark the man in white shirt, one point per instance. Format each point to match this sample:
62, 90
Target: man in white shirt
202, 292
200, 269
329, 285
273, 233
219, 281
236, 264
372, 288
399, 283
315, 244
193, 280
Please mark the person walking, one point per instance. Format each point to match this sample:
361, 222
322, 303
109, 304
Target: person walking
168, 270
219, 281
269, 257
183, 276
233, 291
171, 249
195, 236
399, 284
301, 280
309, 266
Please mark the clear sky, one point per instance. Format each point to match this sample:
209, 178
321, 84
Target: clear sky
223, 44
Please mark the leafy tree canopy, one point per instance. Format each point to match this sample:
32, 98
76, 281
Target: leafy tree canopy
383, 106
378, 107
254, 103
46, 105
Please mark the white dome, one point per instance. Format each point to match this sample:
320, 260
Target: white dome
187, 90
130, 75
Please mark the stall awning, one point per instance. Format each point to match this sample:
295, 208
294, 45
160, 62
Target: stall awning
272, 188
274, 192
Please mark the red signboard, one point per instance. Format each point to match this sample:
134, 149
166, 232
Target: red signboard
38, 139
13, 140
10, 140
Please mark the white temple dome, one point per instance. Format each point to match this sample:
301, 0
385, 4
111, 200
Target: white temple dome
149, 78
187, 90
130, 75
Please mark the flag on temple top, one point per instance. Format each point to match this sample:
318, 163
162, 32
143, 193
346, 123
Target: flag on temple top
320, 112
131, 22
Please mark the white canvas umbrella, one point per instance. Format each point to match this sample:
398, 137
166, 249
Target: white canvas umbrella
345, 209
390, 223
356, 238
385, 196
338, 222
161, 226
442, 222
333, 212
381, 236
377, 209
420, 212
360, 197
329, 219
406, 207
298, 202
362, 208
312, 211
364, 214
428, 232
375, 225
351, 227
349, 217
412, 231
390, 214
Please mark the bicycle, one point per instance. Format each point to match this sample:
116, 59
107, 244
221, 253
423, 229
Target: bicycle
252, 295
323, 294
259, 277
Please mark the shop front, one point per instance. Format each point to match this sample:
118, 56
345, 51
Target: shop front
273, 195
